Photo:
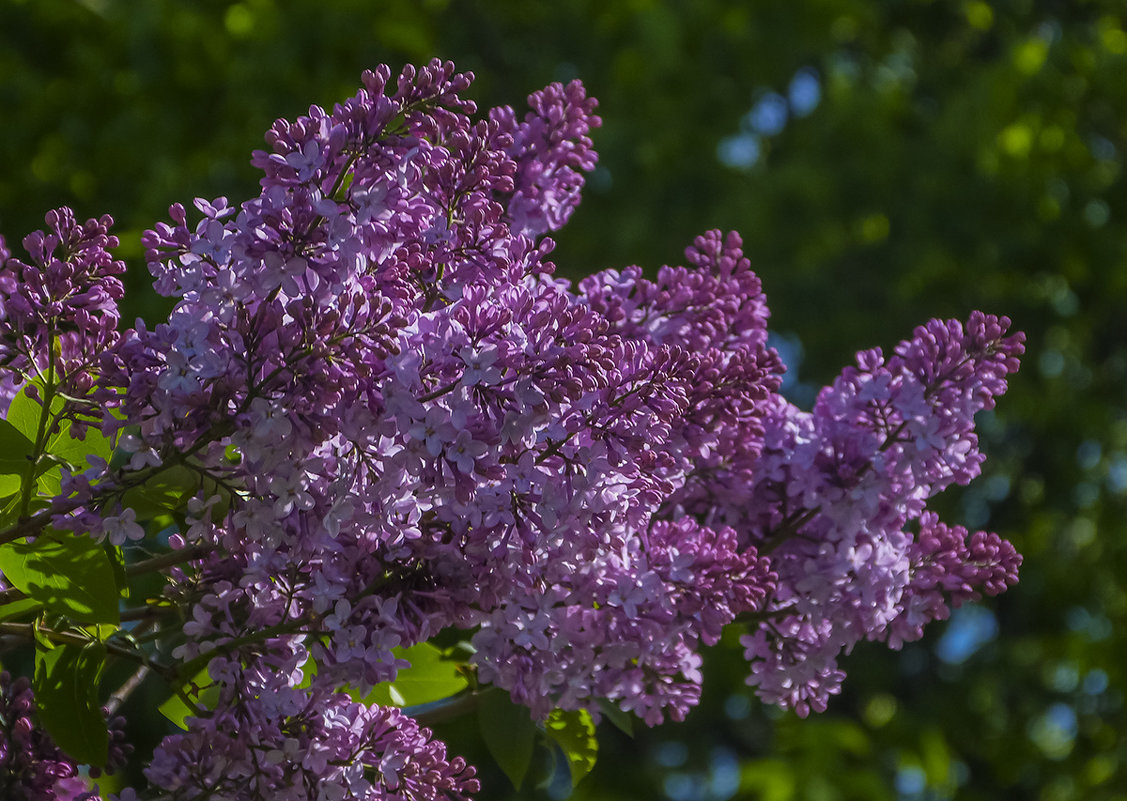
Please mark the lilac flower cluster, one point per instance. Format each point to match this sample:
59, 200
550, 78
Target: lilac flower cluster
267, 740
837, 492
394, 419
62, 301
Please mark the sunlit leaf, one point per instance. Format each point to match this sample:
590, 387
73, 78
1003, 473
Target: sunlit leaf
574, 732
70, 575
202, 691
430, 677
15, 450
164, 493
19, 608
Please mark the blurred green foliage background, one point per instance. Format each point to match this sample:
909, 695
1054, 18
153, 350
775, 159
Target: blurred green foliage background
886, 161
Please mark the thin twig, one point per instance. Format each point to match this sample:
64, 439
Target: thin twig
117, 698
188, 554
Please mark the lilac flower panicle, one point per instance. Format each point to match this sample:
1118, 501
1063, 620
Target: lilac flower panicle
552, 150
839, 489
58, 311
396, 420
267, 740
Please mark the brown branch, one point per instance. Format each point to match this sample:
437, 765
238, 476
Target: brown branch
118, 697
188, 554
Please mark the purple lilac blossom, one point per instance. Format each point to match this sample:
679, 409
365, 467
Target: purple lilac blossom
401, 422
58, 312
267, 740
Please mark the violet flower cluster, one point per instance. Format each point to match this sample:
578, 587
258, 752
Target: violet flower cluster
396, 420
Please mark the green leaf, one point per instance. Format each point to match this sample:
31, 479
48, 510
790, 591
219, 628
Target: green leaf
509, 734
67, 680
42, 641
430, 677
176, 711
116, 557
15, 451
49, 482
574, 732
381, 695
71, 576
63, 449
24, 413
9, 510
308, 672
623, 721
101, 631
65, 446
19, 608
202, 690
162, 494
60, 448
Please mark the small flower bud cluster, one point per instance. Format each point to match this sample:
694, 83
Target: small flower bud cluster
58, 310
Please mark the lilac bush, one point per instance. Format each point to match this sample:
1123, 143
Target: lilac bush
375, 417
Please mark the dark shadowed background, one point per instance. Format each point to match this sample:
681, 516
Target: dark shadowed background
886, 162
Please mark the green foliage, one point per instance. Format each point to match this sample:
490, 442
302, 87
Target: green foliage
509, 734
15, 452
41, 440
573, 732
20, 608
67, 679
164, 494
430, 677
201, 693
67, 574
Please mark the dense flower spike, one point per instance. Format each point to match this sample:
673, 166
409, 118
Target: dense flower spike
269, 741
834, 492
382, 416
59, 309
